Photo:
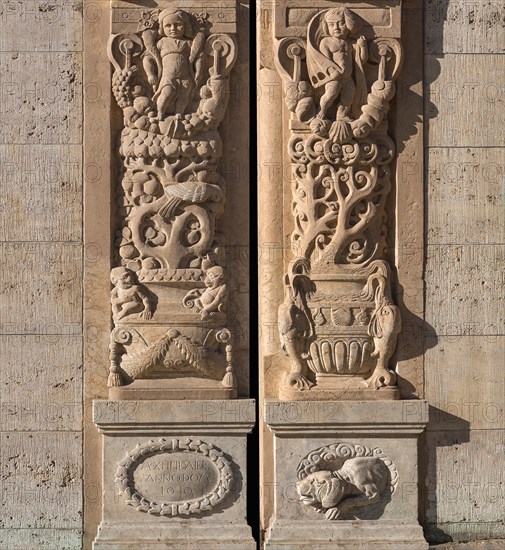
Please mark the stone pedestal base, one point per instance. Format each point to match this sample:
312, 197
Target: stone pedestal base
346, 474
174, 474
337, 387
179, 536
347, 535
181, 388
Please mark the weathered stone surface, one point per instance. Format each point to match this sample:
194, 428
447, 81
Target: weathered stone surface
41, 480
41, 192
464, 289
460, 393
41, 98
462, 26
465, 493
462, 107
465, 195
40, 391
41, 539
41, 289
51, 26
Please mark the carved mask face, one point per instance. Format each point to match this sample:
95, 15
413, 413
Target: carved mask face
173, 26
337, 27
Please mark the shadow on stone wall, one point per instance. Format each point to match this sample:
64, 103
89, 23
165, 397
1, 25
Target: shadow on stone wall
428, 471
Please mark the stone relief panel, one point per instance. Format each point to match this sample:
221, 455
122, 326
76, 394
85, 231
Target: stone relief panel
338, 322
176, 477
170, 80
347, 481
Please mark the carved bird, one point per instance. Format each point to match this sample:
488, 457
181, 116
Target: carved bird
194, 192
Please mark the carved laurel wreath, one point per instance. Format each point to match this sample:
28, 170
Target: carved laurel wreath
132, 459
324, 457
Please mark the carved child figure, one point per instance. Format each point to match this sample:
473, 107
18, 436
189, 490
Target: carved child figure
180, 63
212, 300
127, 297
335, 46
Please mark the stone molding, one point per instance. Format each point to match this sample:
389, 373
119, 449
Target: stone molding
345, 417
234, 416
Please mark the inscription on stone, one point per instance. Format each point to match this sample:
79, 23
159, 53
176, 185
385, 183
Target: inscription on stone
174, 477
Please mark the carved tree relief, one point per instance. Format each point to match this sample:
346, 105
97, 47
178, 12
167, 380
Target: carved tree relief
338, 323
171, 82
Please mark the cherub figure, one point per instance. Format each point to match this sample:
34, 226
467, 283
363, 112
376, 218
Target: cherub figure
330, 63
173, 65
127, 297
212, 299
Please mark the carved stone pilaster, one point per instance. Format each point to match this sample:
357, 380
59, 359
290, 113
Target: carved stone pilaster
341, 454
170, 80
339, 323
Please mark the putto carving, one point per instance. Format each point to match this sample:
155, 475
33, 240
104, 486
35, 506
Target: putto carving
338, 319
212, 300
128, 298
171, 82
176, 477
346, 481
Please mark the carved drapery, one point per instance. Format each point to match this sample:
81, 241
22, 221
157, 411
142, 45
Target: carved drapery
338, 322
170, 79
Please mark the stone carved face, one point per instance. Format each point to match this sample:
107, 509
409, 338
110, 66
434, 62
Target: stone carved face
173, 24
122, 278
321, 489
336, 25
214, 277
340, 22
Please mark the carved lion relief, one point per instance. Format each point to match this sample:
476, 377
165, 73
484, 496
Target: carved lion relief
171, 83
338, 318
345, 481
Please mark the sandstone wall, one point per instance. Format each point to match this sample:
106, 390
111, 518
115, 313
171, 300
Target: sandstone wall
465, 247
42, 256
41, 259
